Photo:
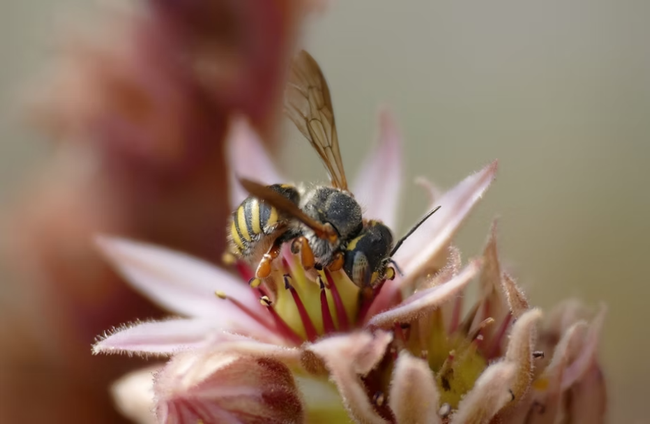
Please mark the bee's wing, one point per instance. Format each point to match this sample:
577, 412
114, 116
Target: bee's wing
283, 204
308, 104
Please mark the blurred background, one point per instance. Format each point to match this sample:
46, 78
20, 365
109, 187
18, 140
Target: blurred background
558, 91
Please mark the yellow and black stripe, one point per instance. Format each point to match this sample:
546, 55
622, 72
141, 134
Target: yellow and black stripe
254, 219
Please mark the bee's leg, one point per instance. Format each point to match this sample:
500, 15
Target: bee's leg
337, 262
264, 268
301, 245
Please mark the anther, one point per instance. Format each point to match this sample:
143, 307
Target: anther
378, 398
254, 282
265, 301
318, 267
287, 281
221, 295
512, 394
538, 354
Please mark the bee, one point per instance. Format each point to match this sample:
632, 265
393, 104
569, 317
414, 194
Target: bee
332, 232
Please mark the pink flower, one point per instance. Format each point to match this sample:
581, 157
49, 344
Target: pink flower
402, 352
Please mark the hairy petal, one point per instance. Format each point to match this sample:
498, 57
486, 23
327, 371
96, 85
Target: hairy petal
134, 397
514, 295
494, 299
378, 185
489, 394
414, 397
161, 337
520, 350
247, 158
426, 300
546, 390
427, 243
588, 351
208, 386
589, 398
349, 357
178, 282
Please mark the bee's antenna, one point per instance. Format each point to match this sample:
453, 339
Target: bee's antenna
411, 231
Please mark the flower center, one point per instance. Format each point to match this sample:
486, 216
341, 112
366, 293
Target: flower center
306, 305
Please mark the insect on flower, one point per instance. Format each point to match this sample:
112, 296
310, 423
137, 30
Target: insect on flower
325, 223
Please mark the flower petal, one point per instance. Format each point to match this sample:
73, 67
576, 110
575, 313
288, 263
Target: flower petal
347, 358
134, 397
161, 337
426, 300
494, 303
489, 394
589, 398
588, 351
210, 387
379, 183
520, 350
546, 394
176, 281
424, 246
248, 158
514, 295
414, 397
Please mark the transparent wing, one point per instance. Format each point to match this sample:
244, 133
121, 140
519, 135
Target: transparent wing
308, 104
283, 204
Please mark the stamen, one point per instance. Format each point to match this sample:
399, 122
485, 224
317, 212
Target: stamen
310, 330
244, 270
328, 322
478, 331
282, 326
248, 311
341, 314
367, 300
498, 337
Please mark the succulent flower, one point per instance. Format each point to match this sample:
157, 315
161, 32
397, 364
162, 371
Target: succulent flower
404, 351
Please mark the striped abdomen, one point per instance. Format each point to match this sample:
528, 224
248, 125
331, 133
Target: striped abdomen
254, 222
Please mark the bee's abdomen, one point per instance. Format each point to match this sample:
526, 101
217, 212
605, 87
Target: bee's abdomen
254, 219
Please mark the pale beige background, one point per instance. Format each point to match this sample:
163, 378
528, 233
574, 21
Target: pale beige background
558, 91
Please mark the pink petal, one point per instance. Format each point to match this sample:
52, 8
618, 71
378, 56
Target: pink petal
426, 300
134, 397
547, 388
588, 352
205, 386
430, 240
489, 394
248, 158
347, 358
379, 183
160, 337
520, 350
178, 282
492, 296
414, 397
